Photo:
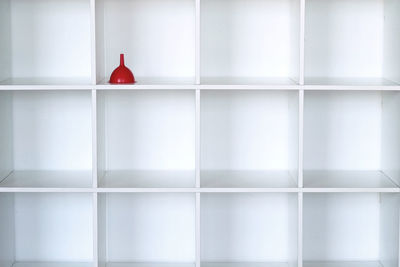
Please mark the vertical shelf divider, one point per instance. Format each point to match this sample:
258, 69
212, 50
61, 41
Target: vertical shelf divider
94, 129
300, 230
197, 138
197, 166
93, 41
94, 138
95, 232
197, 41
301, 139
198, 233
302, 40
301, 131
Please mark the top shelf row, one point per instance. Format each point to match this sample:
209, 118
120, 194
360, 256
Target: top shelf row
275, 42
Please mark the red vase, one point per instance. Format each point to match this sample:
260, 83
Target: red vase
122, 74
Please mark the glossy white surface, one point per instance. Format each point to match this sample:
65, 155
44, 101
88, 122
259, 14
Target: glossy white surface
348, 81
148, 227
207, 167
149, 264
146, 130
249, 130
46, 81
347, 179
247, 179
342, 264
151, 48
52, 264
53, 227
51, 179
46, 39
248, 227
249, 39
245, 264
144, 179
139, 81
246, 81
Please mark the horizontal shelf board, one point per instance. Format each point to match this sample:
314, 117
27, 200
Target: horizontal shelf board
194, 190
46, 81
151, 83
47, 179
342, 264
45, 190
350, 190
148, 179
245, 264
247, 81
197, 190
346, 179
68, 85
184, 182
350, 88
149, 264
356, 81
247, 179
52, 264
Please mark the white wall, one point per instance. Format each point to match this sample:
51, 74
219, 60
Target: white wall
150, 130
247, 38
344, 38
341, 227
52, 130
150, 227
246, 130
248, 227
50, 38
342, 130
53, 227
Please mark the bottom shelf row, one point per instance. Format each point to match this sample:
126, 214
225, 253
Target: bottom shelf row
236, 229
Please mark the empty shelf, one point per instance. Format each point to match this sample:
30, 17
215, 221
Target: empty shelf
148, 179
247, 81
148, 264
342, 264
247, 179
52, 264
246, 264
348, 81
46, 81
48, 179
347, 179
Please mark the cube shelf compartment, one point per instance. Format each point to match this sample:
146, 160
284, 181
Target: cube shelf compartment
352, 42
249, 42
259, 133
249, 228
350, 139
146, 138
153, 51
45, 42
46, 139
249, 139
145, 229
342, 229
46, 229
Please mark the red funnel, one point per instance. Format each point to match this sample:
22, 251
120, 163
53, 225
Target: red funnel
122, 74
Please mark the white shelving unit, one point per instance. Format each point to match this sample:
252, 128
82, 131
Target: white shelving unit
260, 133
